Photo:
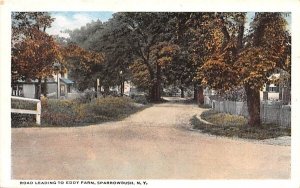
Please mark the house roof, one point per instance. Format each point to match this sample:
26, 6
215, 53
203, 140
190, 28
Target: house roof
274, 76
66, 81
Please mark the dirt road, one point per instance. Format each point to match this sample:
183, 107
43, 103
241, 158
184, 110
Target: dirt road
155, 143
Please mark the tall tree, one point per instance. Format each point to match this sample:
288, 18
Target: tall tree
107, 38
146, 32
192, 35
246, 59
33, 51
83, 65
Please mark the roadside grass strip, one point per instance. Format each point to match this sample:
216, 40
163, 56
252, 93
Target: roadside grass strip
222, 124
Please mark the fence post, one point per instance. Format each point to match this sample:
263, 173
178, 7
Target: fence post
38, 115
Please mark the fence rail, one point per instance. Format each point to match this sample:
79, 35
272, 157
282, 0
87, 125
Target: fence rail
269, 112
36, 112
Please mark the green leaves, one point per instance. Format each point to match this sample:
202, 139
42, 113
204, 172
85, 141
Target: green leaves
82, 64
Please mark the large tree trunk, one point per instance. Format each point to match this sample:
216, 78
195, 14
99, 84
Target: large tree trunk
155, 92
156, 86
181, 92
39, 88
195, 92
122, 88
253, 103
96, 88
106, 90
200, 95
45, 87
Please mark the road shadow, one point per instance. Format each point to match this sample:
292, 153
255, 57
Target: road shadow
179, 100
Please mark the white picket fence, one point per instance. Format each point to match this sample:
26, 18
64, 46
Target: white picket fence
36, 112
269, 112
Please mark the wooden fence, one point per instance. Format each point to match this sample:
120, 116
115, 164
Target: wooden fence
36, 112
270, 112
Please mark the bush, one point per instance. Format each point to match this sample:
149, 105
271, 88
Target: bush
73, 112
60, 112
108, 108
141, 99
86, 97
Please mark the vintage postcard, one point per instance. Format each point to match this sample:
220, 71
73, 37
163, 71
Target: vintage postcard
140, 94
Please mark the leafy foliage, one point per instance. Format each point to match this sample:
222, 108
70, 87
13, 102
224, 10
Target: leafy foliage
82, 64
72, 112
34, 57
33, 51
246, 59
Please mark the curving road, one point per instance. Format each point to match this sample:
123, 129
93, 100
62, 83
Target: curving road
156, 143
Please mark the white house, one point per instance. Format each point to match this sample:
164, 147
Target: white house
58, 86
278, 88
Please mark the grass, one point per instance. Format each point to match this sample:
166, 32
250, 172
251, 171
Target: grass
23, 120
204, 106
236, 126
68, 113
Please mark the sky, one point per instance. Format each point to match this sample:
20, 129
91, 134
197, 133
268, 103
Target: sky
73, 20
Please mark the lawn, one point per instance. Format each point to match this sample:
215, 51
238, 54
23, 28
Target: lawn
236, 126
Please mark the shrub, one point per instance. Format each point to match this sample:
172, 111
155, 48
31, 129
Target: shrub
72, 112
141, 99
86, 97
60, 112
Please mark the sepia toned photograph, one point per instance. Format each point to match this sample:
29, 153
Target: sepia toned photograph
128, 98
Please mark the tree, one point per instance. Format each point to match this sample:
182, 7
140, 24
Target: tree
113, 41
179, 71
145, 35
109, 39
192, 36
82, 65
246, 59
33, 51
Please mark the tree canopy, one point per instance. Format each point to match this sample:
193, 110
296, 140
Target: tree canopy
33, 51
247, 59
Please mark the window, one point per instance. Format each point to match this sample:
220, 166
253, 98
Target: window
69, 89
273, 88
62, 90
17, 90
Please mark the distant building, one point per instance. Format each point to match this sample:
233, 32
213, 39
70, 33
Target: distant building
278, 88
58, 86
